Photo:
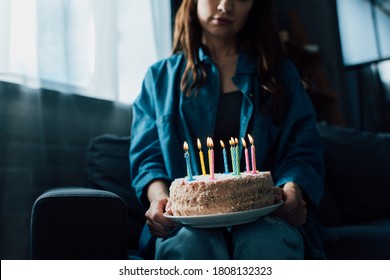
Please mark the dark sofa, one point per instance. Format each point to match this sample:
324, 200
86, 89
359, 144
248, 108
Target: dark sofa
355, 207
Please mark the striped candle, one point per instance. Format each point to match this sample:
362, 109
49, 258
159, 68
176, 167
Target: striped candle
187, 157
201, 158
233, 155
210, 144
246, 155
224, 156
253, 154
238, 171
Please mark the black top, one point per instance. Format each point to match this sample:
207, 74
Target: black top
227, 126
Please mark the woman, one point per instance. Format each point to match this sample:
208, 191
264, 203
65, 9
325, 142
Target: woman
227, 77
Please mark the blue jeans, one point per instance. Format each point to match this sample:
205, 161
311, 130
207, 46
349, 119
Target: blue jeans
268, 238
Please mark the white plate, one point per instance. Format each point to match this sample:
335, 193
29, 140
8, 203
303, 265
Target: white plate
228, 219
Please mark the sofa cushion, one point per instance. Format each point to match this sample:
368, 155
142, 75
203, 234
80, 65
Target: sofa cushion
357, 172
368, 241
328, 213
108, 169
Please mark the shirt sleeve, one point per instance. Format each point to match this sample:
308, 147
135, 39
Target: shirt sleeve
300, 152
145, 154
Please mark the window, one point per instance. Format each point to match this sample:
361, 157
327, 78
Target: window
90, 47
382, 11
364, 30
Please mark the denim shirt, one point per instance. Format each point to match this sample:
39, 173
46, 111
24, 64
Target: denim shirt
163, 118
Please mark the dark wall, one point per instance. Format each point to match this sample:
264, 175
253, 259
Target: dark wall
363, 98
43, 139
366, 86
315, 22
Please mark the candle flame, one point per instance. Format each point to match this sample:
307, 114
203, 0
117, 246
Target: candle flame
236, 141
222, 144
199, 144
185, 146
250, 139
243, 142
210, 143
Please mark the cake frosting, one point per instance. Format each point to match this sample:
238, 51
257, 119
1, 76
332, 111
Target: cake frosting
224, 194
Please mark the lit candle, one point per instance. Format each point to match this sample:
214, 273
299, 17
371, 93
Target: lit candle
237, 157
201, 158
210, 144
224, 157
253, 154
187, 157
246, 155
233, 155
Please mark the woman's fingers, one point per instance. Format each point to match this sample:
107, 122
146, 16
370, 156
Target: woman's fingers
294, 208
158, 224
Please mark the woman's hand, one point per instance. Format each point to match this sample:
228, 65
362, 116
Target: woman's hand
159, 225
160, 202
294, 208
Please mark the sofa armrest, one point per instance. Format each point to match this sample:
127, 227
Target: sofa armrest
108, 169
357, 174
78, 223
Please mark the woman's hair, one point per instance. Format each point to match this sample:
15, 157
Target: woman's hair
259, 38
188, 38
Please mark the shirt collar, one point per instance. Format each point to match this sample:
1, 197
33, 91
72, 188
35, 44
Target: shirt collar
203, 56
245, 63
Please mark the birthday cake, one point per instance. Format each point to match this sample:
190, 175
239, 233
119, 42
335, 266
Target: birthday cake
224, 194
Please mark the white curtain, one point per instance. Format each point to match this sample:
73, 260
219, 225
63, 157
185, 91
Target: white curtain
99, 48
